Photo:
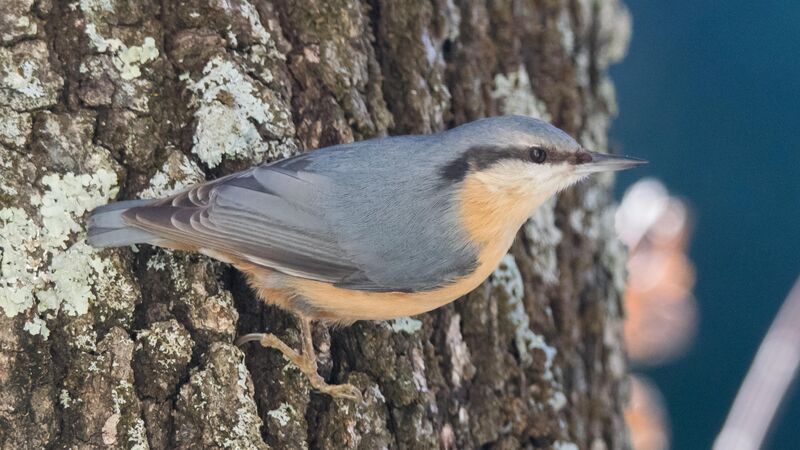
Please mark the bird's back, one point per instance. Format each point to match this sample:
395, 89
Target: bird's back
392, 213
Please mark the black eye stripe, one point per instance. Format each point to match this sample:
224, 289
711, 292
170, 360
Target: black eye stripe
482, 157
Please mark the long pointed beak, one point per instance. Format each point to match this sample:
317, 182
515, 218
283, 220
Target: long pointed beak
603, 162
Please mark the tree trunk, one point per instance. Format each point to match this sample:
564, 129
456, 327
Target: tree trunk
132, 348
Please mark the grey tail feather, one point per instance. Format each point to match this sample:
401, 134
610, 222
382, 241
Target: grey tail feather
107, 228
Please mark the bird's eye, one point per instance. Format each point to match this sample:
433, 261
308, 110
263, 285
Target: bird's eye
537, 154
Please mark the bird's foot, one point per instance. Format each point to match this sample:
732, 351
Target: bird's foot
307, 363
345, 391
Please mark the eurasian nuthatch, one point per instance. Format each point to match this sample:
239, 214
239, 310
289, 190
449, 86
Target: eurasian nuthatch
374, 230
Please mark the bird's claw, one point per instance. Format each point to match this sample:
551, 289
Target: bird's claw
245, 338
307, 365
344, 391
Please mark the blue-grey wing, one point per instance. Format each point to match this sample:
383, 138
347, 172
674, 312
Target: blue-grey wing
267, 215
333, 221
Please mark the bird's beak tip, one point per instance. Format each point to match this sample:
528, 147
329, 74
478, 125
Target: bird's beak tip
604, 162
635, 162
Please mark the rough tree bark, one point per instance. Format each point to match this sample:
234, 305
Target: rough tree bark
132, 348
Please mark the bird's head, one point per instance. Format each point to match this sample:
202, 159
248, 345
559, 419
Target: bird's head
524, 156
506, 167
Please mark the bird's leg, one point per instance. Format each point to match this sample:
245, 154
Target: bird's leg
306, 362
307, 336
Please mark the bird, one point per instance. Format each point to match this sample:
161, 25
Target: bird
371, 230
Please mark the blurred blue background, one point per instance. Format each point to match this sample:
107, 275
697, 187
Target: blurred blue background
710, 95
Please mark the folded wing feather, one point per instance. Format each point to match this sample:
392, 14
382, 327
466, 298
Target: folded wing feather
268, 215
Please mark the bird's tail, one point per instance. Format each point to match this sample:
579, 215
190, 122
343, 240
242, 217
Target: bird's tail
107, 228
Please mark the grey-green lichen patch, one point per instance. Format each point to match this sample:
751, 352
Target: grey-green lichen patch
215, 408
508, 278
70, 277
515, 94
116, 296
127, 59
12, 181
17, 21
16, 239
64, 399
233, 112
257, 30
44, 267
137, 436
95, 8
261, 51
535, 354
37, 326
83, 335
162, 259
176, 174
73, 270
162, 354
103, 84
15, 128
67, 198
283, 414
27, 81
65, 280
543, 236
405, 325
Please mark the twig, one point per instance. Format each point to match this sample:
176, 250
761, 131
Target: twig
766, 382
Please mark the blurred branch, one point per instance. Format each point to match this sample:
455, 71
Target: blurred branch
766, 383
